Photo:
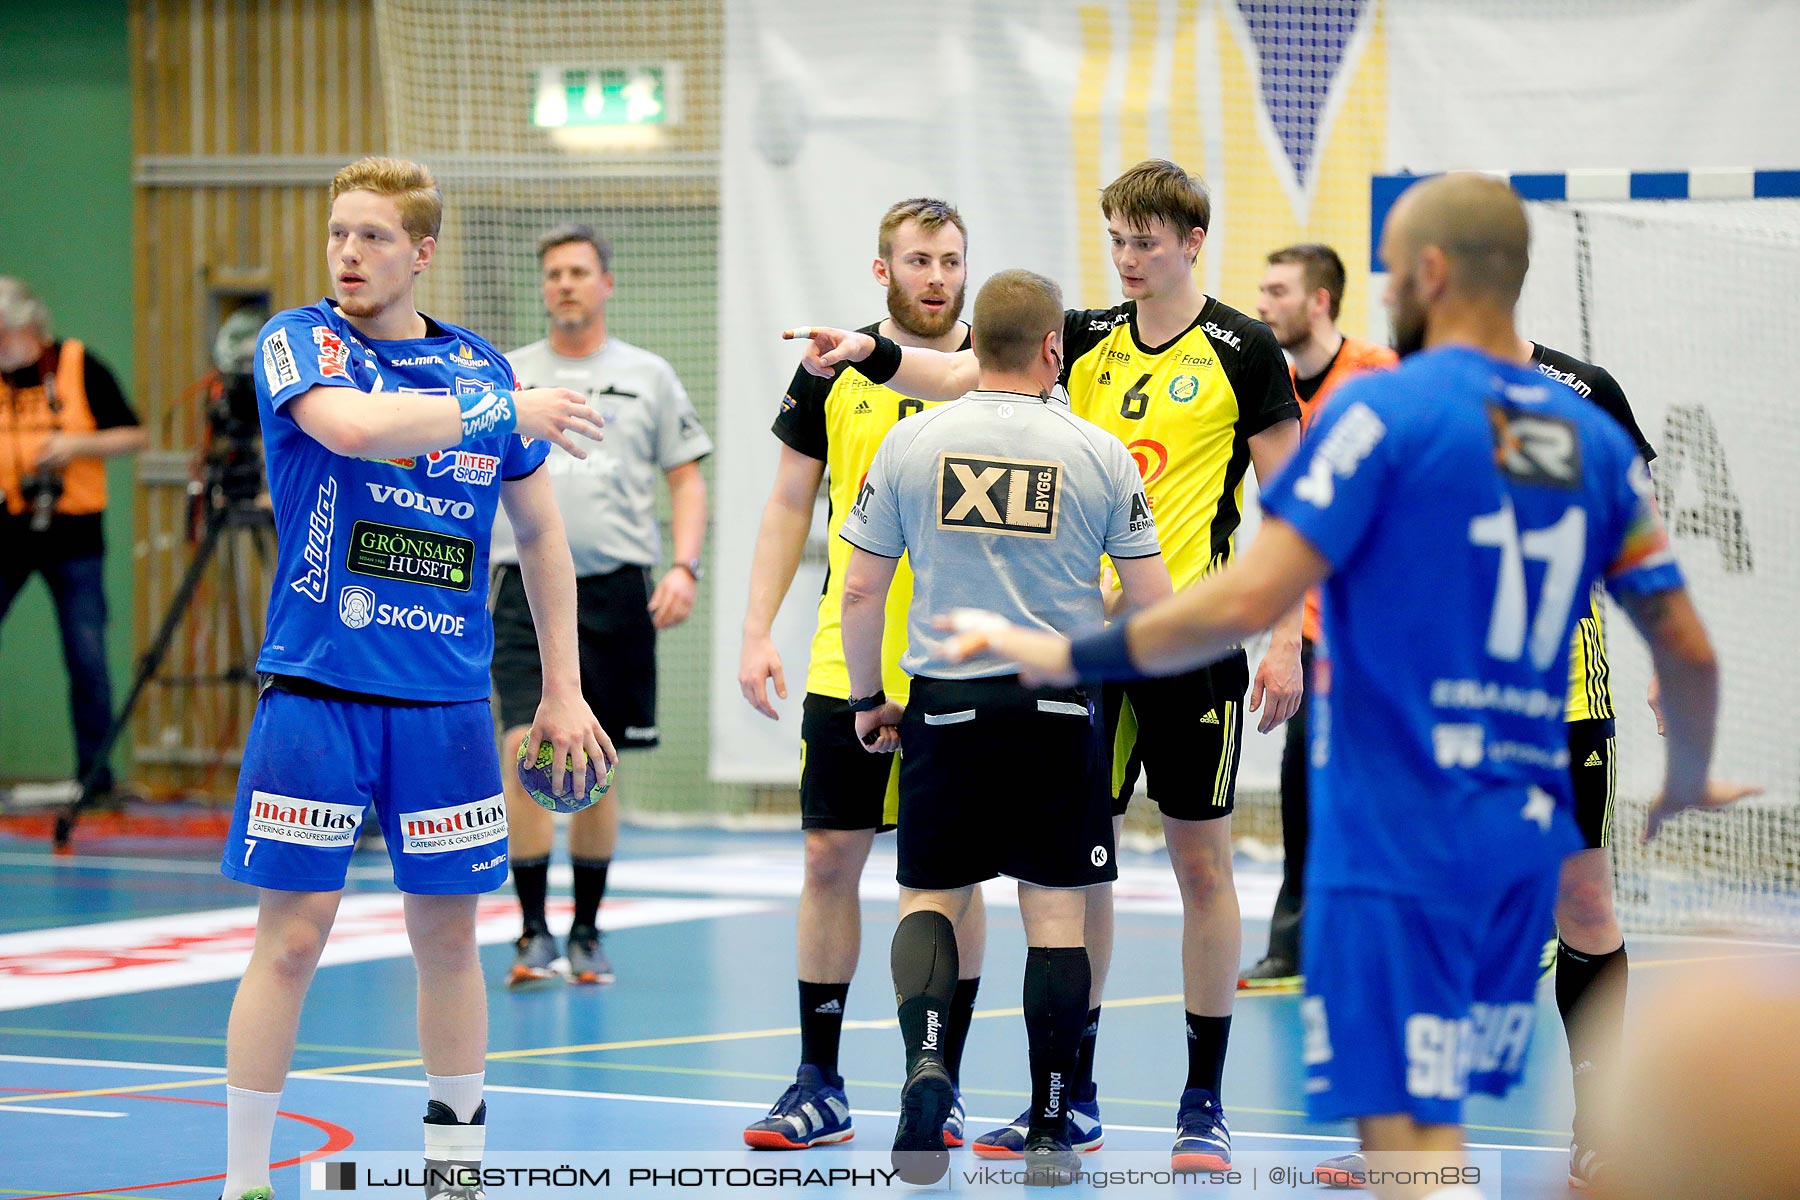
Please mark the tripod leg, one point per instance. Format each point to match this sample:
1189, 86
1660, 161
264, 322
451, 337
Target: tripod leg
147, 668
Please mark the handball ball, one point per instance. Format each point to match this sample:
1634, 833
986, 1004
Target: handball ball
536, 778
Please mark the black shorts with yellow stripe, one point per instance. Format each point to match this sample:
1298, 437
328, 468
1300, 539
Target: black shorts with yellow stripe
1186, 733
842, 785
1594, 773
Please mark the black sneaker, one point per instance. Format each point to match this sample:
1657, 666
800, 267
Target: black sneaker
1049, 1161
1269, 974
920, 1155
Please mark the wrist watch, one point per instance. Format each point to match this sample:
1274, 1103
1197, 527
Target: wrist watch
692, 567
869, 703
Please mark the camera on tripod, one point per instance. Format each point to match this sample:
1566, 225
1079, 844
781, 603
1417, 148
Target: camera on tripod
230, 469
42, 489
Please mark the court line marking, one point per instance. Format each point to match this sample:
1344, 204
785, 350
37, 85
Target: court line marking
330, 1075
635, 1098
59, 1112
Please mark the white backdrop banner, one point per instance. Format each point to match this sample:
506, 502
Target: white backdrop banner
1019, 111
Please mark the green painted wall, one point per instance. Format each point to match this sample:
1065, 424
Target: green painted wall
65, 228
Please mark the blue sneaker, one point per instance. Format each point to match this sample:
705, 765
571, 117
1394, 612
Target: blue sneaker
812, 1112
1346, 1171
1202, 1139
955, 1122
1085, 1133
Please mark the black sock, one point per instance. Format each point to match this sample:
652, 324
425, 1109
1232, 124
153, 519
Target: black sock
923, 960
962, 1012
822, 1024
1056, 991
531, 879
1590, 994
1206, 1038
1084, 1058
590, 886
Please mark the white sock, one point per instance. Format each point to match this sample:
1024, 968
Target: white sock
249, 1128
460, 1093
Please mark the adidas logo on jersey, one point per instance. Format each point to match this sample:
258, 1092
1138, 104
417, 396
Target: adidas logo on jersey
1105, 379
862, 406
1593, 759
1211, 718
830, 1008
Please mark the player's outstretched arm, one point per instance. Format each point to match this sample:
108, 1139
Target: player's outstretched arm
780, 542
1689, 673
922, 373
548, 572
359, 424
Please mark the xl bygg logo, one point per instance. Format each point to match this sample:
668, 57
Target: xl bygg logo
1012, 497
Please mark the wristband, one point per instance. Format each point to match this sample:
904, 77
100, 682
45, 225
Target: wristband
868, 703
1103, 657
883, 362
487, 414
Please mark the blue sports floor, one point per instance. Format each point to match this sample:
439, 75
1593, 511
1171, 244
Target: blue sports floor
117, 967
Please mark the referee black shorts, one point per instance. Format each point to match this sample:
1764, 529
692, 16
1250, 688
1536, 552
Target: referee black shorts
1595, 774
997, 779
842, 785
1186, 733
618, 653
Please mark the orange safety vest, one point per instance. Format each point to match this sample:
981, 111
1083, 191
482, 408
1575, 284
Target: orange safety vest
58, 403
1353, 359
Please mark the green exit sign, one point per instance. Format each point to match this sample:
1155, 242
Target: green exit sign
567, 97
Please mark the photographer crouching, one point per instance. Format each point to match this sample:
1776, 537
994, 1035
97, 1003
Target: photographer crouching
61, 414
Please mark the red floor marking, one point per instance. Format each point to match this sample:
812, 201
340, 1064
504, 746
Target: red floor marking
336, 1138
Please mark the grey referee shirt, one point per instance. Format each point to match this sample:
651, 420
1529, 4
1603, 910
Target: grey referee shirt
608, 499
1004, 502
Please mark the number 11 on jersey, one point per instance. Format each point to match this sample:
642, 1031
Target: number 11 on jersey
1561, 547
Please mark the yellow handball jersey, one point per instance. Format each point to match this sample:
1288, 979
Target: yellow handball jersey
1590, 688
841, 422
1187, 411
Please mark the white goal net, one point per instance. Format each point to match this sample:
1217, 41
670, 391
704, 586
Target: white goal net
1690, 305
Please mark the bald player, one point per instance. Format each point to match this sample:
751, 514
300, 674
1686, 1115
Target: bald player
1454, 510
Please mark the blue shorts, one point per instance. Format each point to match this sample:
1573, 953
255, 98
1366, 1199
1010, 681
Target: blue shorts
1411, 1004
311, 767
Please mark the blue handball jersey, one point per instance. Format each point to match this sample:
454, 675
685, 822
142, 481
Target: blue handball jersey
1466, 505
381, 567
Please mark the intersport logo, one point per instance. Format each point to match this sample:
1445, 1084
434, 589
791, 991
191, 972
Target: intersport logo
437, 506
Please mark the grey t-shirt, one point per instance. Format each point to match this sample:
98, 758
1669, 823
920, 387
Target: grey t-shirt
608, 500
1003, 502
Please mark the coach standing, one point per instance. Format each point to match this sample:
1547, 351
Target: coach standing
608, 503
1005, 501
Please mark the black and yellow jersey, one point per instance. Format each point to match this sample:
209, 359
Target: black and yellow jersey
841, 421
1187, 411
1590, 689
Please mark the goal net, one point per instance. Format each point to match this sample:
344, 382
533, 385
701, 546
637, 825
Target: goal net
1685, 302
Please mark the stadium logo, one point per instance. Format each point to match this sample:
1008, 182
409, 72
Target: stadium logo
306, 822
318, 544
1220, 334
1151, 457
457, 827
462, 466
1183, 388
356, 605
437, 506
1007, 496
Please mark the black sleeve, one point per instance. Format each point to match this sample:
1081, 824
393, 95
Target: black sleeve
1083, 329
801, 422
1611, 397
105, 398
1264, 386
